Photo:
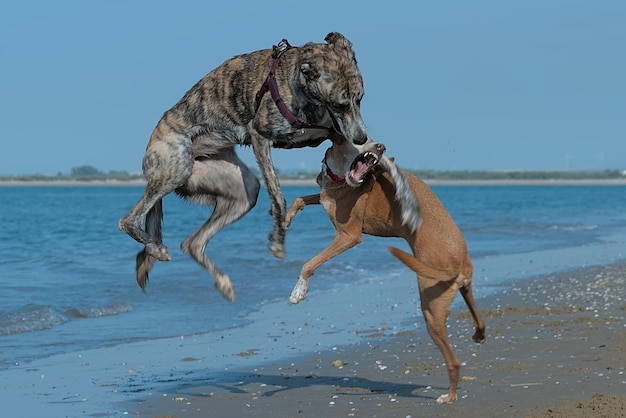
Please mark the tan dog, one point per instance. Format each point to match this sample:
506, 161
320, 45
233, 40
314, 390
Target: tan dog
359, 198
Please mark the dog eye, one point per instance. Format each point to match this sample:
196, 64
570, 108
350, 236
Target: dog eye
340, 107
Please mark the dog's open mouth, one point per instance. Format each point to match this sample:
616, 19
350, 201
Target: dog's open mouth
363, 163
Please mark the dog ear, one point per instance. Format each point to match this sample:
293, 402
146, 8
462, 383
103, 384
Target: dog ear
335, 38
341, 45
309, 71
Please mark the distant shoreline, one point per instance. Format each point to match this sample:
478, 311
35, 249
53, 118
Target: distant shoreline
311, 182
66, 183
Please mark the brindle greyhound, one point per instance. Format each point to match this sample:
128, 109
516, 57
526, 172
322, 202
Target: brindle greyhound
358, 197
315, 91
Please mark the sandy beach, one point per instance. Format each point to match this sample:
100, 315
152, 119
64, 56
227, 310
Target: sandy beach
556, 347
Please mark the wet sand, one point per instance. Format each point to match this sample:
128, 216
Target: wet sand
556, 347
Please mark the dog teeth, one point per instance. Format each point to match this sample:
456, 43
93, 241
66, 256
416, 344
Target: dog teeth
372, 155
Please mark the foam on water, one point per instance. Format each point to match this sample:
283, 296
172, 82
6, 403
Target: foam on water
100, 311
30, 318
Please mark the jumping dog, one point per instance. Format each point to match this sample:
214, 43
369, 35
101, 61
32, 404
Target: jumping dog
315, 92
359, 195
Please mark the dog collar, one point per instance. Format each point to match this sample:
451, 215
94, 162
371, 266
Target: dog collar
270, 85
334, 177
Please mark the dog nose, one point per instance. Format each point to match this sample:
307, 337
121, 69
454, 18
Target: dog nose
360, 140
380, 148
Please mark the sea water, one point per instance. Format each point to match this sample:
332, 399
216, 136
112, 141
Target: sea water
67, 280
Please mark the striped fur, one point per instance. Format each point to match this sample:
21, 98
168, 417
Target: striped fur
192, 149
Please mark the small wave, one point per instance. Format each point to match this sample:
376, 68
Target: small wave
573, 228
100, 311
30, 318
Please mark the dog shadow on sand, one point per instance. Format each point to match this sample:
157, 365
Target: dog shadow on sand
240, 385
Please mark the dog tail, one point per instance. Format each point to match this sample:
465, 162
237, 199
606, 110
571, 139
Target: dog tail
411, 216
421, 268
154, 227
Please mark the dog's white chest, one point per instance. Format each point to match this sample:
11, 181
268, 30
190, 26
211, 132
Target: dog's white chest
326, 205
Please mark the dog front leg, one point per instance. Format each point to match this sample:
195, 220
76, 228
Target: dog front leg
299, 204
261, 148
340, 244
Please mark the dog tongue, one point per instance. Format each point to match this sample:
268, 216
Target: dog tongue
358, 171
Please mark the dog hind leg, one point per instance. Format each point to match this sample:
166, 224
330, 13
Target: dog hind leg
228, 184
167, 164
479, 325
436, 298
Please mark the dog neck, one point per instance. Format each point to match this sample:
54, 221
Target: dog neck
329, 173
270, 85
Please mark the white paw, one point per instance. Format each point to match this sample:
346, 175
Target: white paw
299, 291
447, 398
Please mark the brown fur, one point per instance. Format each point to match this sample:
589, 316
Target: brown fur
439, 258
192, 148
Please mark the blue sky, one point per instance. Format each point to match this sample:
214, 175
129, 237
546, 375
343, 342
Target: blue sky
448, 85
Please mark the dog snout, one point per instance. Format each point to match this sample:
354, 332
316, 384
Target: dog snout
351, 127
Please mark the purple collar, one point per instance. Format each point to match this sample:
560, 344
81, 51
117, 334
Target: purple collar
270, 85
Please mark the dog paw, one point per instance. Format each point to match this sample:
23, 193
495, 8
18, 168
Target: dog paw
447, 398
479, 336
224, 285
299, 291
294, 300
160, 252
278, 250
292, 212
